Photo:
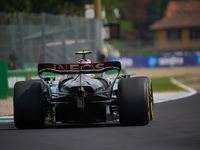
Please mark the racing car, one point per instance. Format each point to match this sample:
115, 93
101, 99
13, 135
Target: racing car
82, 92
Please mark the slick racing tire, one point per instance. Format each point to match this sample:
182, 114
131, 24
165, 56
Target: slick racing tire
133, 101
28, 104
151, 101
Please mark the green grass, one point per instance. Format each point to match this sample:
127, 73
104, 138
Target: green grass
163, 84
189, 79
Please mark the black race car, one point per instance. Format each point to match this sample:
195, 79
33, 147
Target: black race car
84, 93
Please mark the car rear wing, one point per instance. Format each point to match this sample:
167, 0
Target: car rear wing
78, 68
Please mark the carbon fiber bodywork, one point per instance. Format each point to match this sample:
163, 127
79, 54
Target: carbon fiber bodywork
81, 98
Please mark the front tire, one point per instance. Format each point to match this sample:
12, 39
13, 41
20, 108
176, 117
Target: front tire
28, 105
134, 101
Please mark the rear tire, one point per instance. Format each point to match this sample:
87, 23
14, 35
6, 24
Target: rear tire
151, 102
28, 104
134, 101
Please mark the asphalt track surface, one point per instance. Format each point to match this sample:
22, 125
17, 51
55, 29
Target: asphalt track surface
176, 126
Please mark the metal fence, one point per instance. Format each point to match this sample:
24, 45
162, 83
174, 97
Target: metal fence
48, 38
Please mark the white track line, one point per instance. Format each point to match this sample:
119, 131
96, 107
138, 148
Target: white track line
174, 95
174, 81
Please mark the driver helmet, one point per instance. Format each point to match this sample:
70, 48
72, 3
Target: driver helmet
84, 61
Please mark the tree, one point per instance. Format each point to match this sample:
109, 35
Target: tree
125, 24
143, 13
69, 7
14, 6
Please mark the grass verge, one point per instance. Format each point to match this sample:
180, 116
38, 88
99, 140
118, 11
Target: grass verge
163, 84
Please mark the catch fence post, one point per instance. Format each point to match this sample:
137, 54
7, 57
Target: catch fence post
62, 32
76, 31
43, 20
21, 41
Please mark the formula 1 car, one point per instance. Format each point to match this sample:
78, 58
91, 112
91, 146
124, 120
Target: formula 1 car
84, 93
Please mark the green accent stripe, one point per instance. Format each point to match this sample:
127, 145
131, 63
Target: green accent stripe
6, 118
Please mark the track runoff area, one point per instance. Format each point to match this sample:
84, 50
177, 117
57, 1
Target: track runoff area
158, 98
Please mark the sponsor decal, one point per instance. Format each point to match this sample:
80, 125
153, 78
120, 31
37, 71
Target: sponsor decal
171, 61
152, 61
87, 66
80, 67
126, 62
198, 59
158, 61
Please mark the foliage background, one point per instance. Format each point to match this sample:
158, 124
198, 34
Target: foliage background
136, 15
